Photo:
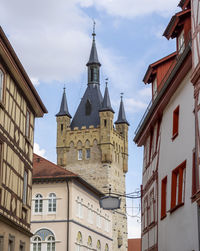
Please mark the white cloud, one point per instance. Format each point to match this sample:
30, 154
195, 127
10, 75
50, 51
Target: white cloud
132, 8
146, 92
37, 150
35, 81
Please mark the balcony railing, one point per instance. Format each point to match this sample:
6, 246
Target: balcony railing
179, 56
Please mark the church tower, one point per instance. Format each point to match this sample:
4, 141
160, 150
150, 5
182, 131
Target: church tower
91, 146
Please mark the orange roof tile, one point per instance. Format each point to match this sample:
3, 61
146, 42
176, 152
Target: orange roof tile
42, 168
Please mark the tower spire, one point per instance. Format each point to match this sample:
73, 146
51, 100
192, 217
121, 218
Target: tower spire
106, 104
63, 106
121, 115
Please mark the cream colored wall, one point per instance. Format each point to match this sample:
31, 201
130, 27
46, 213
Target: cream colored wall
76, 223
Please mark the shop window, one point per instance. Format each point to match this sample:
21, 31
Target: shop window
163, 197
178, 186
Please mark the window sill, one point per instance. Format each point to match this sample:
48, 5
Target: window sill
174, 136
51, 213
176, 207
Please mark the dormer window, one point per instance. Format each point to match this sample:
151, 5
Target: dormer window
181, 43
88, 108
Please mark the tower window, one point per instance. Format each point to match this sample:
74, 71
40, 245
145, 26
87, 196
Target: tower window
88, 108
92, 74
95, 71
105, 123
88, 153
61, 127
80, 154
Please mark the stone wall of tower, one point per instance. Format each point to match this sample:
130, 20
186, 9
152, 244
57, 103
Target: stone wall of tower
106, 165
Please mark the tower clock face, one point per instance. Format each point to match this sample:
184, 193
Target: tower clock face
196, 32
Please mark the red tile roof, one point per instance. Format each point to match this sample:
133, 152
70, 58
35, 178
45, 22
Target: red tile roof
44, 169
134, 244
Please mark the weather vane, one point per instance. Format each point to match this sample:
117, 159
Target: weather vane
94, 34
121, 94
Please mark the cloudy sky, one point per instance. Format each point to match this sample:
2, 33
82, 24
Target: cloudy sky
53, 41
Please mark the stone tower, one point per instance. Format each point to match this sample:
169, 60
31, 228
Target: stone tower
91, 146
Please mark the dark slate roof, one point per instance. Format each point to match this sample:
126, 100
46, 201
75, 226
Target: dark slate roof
106, 104
93, 94
93, 54
64, 107
121, 115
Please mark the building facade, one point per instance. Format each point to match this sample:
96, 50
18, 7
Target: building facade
19, 105
167, 132
91, 146
65, 211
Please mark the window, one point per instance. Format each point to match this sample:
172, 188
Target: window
98, 245
27, 131
105, 123
175, 123
51, 243
61, 127
11, 243
145, 212
38, 203
88, 108
181, 43
88, 153
1, 243
163, 197
89, 243
52, 203
194, 175
95, 71
80, 154
79, 241
1, 85
178, 186
25, 186
37, 243
22, 246
151, 207
106, 247
79, 208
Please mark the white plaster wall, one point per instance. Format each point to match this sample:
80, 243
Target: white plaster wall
178, 231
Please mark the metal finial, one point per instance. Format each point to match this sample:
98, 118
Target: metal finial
94, 34
121, 95
106, 82
64, 88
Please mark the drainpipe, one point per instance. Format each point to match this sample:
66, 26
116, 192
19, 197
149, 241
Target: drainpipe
67, 215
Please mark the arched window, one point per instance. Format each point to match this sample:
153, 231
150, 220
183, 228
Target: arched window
37, 243
51, 243
106, 247
38, 203
52, 202
79, 241
98, 245
89, 243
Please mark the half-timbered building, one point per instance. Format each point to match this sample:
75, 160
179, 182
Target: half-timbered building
167, 132
19, 105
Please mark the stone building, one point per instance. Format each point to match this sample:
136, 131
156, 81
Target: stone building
19, 105
66, 214
91, 146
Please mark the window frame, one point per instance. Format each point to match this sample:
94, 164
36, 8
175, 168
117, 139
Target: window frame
178, 186
52, 203
37, 243
25, 187
87, 156
163, 207
38, 200
80, 154
175, 126
2, 94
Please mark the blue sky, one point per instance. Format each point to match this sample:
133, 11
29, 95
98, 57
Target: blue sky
53, 41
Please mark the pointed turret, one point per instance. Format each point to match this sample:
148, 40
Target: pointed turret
63, 107
93, 64
106, 104
121, 115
